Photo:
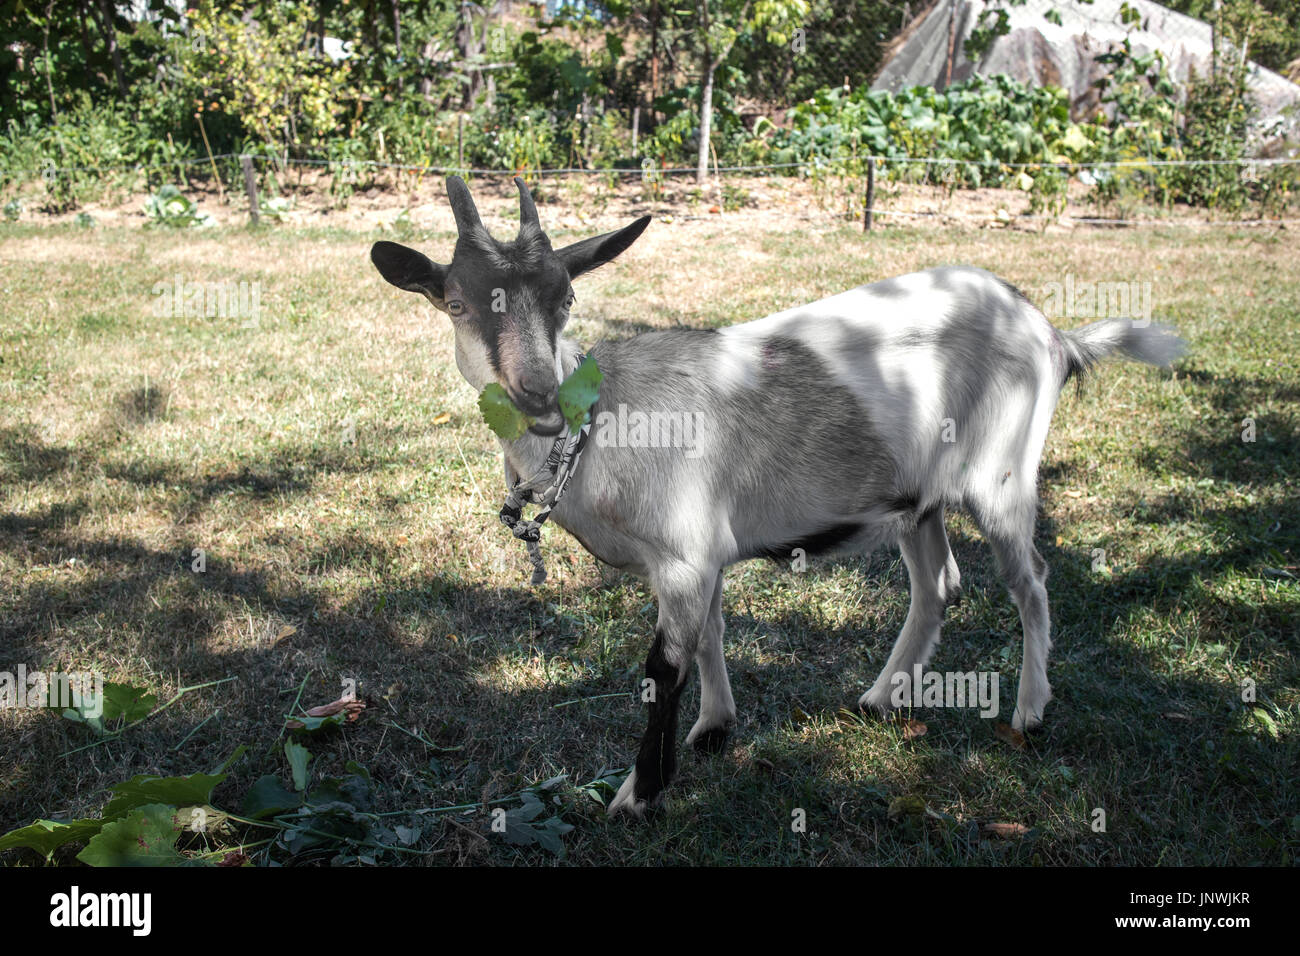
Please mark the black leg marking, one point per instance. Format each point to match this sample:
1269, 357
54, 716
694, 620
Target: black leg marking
657, 761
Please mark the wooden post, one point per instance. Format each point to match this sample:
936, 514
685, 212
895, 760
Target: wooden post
460, 141
636, 127
250, 187
868, 209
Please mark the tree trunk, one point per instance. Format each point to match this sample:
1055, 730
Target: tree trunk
85, 42
706, 122
49, 82
654, 58
105, 10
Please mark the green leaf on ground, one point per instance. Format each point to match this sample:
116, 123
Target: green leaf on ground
46, 836
268, 796
524, 829
145, 837
193, 790
298, 756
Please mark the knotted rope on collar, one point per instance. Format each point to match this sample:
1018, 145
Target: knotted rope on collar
553, 479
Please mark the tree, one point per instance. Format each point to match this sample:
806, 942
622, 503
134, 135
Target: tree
718, 24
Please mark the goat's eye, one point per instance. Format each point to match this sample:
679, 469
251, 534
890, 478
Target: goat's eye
568, 303
455, 307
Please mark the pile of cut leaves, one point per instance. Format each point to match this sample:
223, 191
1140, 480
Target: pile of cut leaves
172, 821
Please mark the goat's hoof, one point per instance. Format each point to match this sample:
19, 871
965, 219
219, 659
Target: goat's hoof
711, 741
1027, 720
876, 702
627, 802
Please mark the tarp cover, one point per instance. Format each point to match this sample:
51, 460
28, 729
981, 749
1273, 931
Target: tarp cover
1040, 52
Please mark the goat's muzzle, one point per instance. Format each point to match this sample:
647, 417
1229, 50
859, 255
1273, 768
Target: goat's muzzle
548, 425
535, 396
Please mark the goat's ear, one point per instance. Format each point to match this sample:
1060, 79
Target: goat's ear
410, 270
589, 253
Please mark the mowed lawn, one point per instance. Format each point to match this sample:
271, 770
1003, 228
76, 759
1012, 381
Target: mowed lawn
332, 466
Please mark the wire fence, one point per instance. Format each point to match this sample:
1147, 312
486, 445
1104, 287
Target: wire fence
881, 160
900, 188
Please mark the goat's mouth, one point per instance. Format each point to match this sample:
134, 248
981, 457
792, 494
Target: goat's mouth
548, 425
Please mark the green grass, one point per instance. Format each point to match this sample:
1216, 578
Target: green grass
127, 441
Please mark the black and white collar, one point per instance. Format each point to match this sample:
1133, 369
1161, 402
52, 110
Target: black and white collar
545, 488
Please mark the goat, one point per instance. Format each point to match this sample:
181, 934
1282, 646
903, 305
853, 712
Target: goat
838, 426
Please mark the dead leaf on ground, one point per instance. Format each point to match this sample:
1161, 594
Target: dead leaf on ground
913, 728
1006, 831
1009, 735
351, 709
442, 419
285, 632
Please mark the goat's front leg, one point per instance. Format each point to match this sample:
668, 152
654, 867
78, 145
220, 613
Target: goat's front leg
684, 599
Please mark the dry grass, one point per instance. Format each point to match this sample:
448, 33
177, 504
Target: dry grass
128, 440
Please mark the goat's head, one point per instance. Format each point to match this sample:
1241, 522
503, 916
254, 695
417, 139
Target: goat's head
508, 301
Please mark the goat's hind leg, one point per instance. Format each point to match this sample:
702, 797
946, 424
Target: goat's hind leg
1025, 574
717, 708
684, 598
935, 583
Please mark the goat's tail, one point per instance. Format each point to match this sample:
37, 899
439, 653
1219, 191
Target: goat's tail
1146, 342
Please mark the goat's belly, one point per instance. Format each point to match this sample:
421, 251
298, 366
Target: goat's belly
826, 534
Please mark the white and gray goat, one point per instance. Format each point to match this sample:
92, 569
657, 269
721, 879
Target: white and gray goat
841, 426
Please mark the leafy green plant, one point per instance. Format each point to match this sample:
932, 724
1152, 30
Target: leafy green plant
274, 208
254, 67
1047, 187
985, 123
525, 825
735, 197
139, 826
172, 821
170, 207
13, 210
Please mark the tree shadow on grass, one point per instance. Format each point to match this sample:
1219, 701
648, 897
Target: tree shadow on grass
1168, 755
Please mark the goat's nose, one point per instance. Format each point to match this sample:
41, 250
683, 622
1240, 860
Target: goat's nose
537, 392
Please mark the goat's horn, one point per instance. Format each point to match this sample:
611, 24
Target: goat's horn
462, 206
527, 208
